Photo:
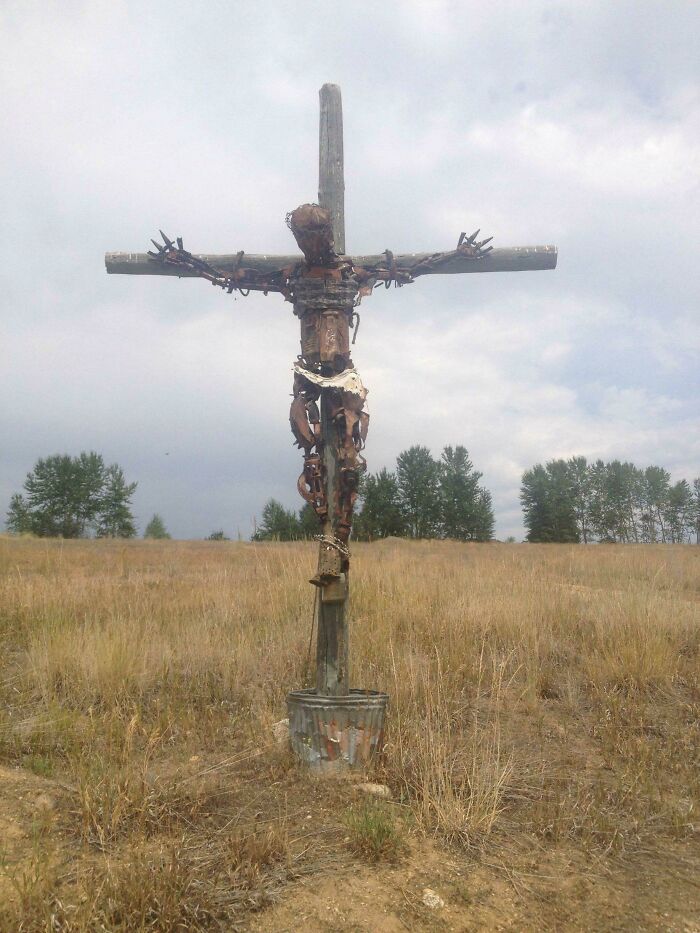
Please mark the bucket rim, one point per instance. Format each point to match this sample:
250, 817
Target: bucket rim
356, 697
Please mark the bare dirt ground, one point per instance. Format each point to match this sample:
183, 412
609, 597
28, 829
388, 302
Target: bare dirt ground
542, 752
319, 885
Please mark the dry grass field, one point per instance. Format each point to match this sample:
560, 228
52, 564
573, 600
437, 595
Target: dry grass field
543, 743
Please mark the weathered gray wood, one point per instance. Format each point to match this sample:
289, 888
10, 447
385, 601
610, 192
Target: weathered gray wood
504, 259
332, 655
331, 180
142, 264
332, 674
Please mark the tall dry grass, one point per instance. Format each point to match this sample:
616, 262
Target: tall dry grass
551, 691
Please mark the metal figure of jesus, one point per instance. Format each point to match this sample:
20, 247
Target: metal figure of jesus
327, 415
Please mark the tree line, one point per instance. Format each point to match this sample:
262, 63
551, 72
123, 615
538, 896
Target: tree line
577, 501
565, 501
422, 497
75, 497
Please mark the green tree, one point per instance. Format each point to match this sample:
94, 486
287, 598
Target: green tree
582, 492
563, 513
534, 497
217, 536
381, 514
64, 493
599, 511
465, 508
115, 519
654, 496
19, 519
278, 523
484, 519
634, 495
679, 512
548, 503
156, 529
418, 477
619, 495
612, 502
69, 497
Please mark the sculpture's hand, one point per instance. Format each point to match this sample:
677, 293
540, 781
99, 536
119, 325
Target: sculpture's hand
178, 256
389, 272
239, 279
469, 245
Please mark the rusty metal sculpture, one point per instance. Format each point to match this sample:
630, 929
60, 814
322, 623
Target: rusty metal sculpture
325, 290
327, 416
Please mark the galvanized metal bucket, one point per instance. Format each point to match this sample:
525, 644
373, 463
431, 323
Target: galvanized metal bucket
336, 733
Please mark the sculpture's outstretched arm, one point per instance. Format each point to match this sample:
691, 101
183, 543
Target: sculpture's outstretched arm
240, 278
400, 272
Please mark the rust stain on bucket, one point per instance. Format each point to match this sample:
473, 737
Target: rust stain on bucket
336, 733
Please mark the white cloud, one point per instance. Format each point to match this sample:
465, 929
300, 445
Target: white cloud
540, 124
605, 151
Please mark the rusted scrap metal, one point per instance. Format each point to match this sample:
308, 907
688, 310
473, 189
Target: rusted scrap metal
391, 273
467, 247
352, 394
325, 292
304, 416
240, 278
312, 229
349, 425
325, 289
324, 304
307, 283
311, 485
328, 414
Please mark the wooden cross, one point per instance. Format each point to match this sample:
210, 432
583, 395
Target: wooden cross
327, 414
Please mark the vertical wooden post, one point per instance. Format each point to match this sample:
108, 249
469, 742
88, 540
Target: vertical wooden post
332, 668
331, 171
332, 663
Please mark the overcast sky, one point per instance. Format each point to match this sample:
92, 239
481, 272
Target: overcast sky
576, 124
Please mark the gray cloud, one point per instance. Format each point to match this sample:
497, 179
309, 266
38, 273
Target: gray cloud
574, 123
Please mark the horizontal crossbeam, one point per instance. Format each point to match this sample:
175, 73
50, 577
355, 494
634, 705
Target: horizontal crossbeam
504, 259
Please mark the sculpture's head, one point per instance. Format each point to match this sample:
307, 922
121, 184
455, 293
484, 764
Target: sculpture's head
313, 231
